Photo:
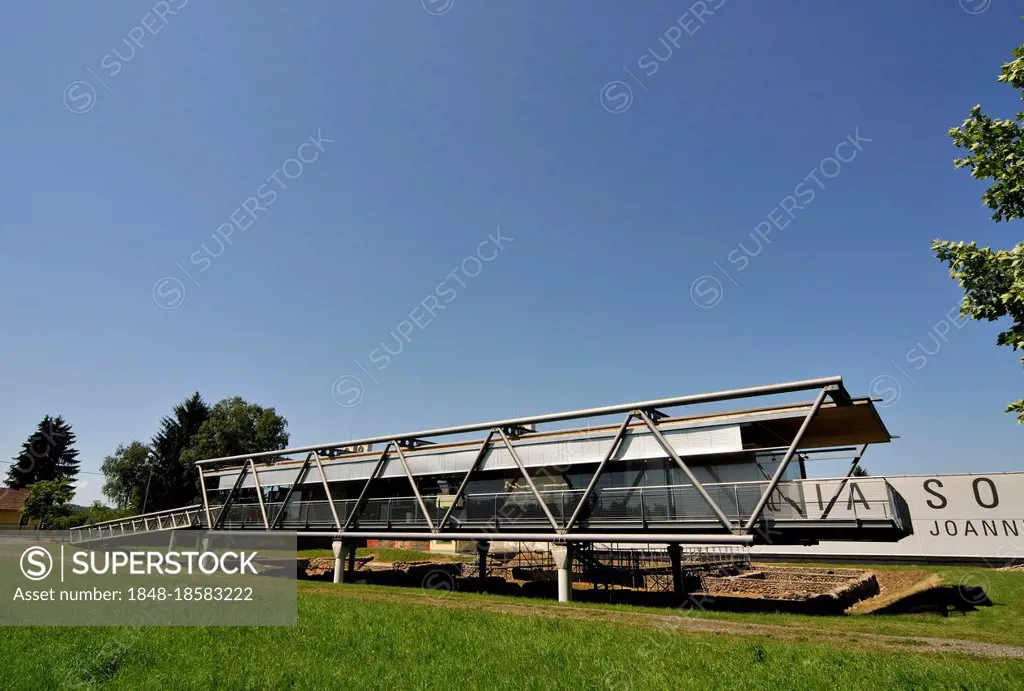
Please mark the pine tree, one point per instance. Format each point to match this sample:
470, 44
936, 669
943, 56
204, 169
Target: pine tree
174, 480
48, 454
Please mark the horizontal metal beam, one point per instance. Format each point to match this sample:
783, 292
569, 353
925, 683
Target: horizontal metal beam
712, 538
731, 394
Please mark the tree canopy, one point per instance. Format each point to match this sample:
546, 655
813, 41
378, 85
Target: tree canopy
127, 471
993, 280
193, 431
48, 454
175, 480
48, 500
236, 427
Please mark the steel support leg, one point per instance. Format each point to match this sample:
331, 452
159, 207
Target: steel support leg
415, 489
846, 479
722, 518
563, 555
259, 494
223, 513
529, 480
675, 555
616, 442
299, 478
482, 548
759, 509
465, 480
358, 507
206, 502
327, 491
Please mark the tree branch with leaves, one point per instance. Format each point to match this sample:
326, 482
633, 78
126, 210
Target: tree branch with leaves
993, 280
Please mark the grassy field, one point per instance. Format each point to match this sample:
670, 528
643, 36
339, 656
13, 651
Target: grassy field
372, 636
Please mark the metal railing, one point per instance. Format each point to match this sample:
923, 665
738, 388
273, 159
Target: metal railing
170, 519
862, 499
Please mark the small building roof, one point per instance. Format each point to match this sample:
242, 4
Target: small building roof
12, 499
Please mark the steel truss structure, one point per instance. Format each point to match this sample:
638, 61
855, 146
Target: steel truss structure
502, 434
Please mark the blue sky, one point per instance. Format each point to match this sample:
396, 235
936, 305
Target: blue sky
624, 183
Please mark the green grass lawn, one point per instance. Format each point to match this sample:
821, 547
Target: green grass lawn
344, 641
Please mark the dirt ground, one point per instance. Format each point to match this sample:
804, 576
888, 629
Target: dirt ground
894, 585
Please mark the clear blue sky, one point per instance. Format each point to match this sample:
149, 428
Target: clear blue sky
449, 120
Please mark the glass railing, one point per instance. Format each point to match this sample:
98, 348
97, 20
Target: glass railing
861, 499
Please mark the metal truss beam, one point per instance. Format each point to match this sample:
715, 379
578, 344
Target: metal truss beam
299, 477
327, 490
722, 518
774, 482
361, 501
529, 480
259, 493
732, 394
465, 480
415, 489
846, 479
616, 442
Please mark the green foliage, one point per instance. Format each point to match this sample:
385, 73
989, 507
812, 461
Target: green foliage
48, 454
860, 471
993, 280
175, 480
96, 513
192, 432
236, 427
127, 471
48, 499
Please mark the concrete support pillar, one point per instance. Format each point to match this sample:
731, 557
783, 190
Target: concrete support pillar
676, 557
172, 541
482, 548
563, 562
342, 549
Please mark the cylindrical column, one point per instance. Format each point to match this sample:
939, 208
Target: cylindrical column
563, 562
342, 548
